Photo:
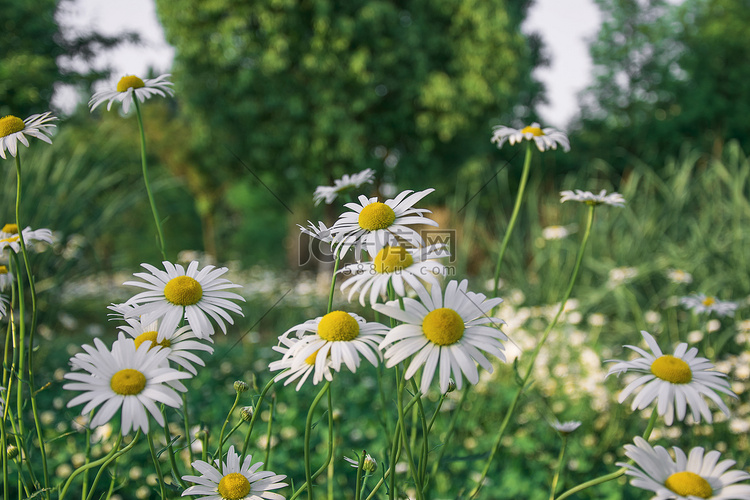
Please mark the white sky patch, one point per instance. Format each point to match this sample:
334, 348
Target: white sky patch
566, 27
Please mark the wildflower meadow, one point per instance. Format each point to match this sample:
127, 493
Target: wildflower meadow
600, 351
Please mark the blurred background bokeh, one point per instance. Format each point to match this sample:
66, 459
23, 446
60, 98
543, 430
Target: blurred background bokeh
276, 97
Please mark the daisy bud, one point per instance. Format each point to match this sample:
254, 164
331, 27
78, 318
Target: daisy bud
369, 465
12, 451
246, 413
202, 434
451, 385
240, 386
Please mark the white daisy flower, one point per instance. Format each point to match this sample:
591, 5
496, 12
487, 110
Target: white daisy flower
700, 303
373, 224
130, 85
565, 428
180, 342
330, 193
192, 294
294, 370
698, 475
125, 377
233, 480
9, 237
6, 278
444, 331
14, 130
558, 232
544, 139
338, 336
680, 277
319, 231
589, 198
676, 381
397, 265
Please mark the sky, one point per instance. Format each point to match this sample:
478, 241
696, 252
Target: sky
565, 27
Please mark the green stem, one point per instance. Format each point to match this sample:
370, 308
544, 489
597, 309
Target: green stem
186, 425
144, 165
559, 468
395, 454
256, 412
333, 282
407, 447
425, 432
112, 481
204, 446
32, 290
170, 449
437, 410
514, 215
451, 428
87, 454
219, 453
524, 382
308, 428
384, 415
99, 474
102, 460
159, 474
330, 450
4, 444
267, 460
358, 485
614, 475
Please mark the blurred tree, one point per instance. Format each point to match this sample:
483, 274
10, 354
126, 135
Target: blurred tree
665, 75
36, 55
303, 92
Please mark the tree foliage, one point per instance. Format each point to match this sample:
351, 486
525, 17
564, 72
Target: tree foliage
667, 74
36, 55
311, 90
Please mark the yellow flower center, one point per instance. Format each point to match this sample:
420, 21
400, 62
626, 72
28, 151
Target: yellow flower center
10, 240
672, 369
443, 326
338, 326
183, 291
128, 382
709, 301
536, 131
376, 216
3, 270
234, 486
140, 339
10, 125
129, 82
10, 229
310, 360
689, 484
392, 259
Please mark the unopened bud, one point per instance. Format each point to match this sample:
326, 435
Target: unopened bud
12, 451
202, 434
451, 385
369, 465
240, 386
246, 413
